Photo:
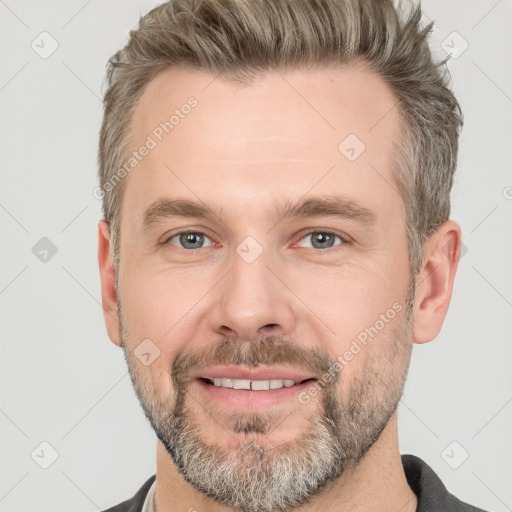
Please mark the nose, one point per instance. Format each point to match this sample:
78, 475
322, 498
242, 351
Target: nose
252, 302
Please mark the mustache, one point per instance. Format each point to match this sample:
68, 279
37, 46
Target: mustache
266, 351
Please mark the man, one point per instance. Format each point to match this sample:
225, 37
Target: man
276, 179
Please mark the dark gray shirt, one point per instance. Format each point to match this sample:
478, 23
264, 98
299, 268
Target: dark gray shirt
430, 491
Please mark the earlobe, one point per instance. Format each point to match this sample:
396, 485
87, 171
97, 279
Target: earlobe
434, 283
108, 288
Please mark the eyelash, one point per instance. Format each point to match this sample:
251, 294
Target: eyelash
343, 239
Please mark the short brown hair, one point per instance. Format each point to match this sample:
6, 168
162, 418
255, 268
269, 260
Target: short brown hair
243, 38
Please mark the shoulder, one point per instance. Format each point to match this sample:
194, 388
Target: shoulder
431, 493
134, 504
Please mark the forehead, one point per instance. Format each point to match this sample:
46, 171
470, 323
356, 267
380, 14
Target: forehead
285, 133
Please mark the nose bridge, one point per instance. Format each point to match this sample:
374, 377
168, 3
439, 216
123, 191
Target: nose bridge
251, 297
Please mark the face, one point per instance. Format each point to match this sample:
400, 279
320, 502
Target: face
264, 278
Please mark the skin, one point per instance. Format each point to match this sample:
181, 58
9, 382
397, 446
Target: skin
247, 149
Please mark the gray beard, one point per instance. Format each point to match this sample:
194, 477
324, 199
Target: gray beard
257, 477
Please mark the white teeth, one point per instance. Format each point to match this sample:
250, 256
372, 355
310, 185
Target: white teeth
276, 383
255, 385
260, 385
226, 383
241, 384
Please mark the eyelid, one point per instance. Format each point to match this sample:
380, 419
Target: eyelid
167, 237
342, 236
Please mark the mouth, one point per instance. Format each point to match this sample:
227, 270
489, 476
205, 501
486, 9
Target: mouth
254, 385
245, 390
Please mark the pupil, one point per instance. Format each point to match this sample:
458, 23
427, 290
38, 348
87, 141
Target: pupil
322, 238
193, 239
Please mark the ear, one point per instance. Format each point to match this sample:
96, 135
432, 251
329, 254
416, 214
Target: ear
434, 283
108, 290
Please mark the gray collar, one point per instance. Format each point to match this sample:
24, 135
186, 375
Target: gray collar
149, 502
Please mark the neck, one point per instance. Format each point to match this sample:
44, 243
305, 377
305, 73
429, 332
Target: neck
377, 483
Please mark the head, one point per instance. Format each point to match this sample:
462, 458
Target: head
275, 180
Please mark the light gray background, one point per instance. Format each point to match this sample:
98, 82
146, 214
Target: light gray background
65, 383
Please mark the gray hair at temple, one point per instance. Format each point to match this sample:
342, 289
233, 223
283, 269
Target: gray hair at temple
242, 39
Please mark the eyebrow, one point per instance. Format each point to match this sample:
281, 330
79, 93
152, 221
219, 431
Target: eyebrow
320, 206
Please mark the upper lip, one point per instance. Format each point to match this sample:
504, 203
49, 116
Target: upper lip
238, 372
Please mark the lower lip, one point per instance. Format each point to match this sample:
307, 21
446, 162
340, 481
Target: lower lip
248, 399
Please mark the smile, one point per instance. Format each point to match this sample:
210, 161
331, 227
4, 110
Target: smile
241, 388
254, 385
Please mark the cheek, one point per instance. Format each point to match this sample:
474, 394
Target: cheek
164, 307
361, 304
351, 298
158, 303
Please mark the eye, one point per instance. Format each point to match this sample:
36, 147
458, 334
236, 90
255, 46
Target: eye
190, 240
322, 239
